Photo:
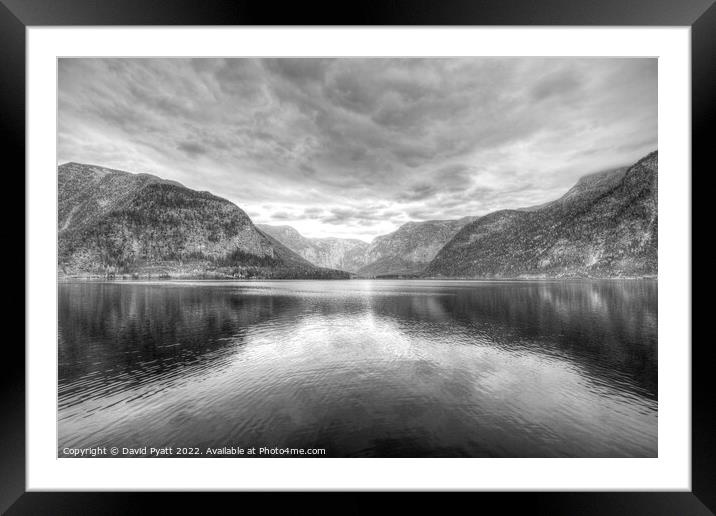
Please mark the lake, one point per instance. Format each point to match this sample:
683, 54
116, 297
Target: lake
362, 368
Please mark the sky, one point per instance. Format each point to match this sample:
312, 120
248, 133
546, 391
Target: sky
353, 147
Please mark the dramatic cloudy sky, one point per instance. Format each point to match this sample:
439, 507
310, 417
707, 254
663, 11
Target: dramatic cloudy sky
356, 147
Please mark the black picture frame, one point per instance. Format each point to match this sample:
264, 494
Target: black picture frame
16, 15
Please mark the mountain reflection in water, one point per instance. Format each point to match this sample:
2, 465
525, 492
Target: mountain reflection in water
362, 368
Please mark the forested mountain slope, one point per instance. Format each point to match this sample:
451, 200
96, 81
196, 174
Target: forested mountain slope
112, 222
605, 226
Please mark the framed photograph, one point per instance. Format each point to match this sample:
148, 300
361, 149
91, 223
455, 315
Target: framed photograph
417, 253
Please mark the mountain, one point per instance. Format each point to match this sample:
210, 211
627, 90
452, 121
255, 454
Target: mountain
335, 253
113, 222
406, 251
410, 248
605, 226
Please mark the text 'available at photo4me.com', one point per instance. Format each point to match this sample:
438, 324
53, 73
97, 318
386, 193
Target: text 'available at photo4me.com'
195, 451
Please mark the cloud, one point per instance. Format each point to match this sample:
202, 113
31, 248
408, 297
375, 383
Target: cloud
558, 84
282, 215
312, 213
355, 147
192, 148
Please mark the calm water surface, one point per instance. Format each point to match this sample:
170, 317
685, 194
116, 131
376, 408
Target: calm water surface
362, 368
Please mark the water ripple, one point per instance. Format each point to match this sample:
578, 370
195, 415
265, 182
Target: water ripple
362, 368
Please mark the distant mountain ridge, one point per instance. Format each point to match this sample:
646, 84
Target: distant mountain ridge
335, 253
410, 248
405, 251
112, 222
604, 226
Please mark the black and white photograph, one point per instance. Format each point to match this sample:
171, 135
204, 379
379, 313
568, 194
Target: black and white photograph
342, 257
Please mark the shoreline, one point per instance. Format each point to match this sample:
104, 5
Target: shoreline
96, 279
